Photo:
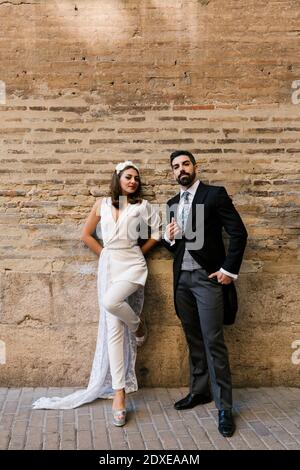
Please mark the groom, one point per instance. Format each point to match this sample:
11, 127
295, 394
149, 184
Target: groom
201, 267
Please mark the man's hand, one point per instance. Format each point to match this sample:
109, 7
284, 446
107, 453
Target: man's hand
172, 229
222, 278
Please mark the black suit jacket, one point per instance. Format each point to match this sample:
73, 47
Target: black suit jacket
219, 213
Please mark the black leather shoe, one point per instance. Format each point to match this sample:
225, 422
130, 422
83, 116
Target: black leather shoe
191, 400
226, 423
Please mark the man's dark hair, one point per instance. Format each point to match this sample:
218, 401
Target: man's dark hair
178, 153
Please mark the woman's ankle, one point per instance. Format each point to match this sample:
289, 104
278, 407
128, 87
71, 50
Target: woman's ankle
119, 399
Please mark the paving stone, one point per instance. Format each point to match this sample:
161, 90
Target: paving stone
152, 423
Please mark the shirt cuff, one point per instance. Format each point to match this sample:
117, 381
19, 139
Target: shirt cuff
169, 241
234, 276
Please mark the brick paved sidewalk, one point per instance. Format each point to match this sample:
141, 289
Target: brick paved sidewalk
266, 418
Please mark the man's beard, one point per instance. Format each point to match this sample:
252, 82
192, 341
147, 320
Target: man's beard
186, 180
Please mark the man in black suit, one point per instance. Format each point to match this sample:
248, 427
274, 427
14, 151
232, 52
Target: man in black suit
201, 269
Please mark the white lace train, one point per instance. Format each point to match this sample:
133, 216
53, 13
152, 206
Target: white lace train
100, 384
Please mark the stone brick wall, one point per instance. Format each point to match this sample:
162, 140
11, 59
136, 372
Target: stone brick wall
89, 84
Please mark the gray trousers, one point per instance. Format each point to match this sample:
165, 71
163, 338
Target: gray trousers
199, 302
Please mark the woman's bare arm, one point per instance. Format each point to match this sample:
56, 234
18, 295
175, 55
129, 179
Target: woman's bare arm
151, 218
89, 228
148, 245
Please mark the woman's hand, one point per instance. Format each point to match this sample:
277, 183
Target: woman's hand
89, 228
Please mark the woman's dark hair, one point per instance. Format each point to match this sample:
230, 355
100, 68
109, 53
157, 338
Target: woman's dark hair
116, 191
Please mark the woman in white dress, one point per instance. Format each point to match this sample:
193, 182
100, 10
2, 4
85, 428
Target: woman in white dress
122, 274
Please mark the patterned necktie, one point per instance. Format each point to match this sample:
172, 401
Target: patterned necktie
185, 210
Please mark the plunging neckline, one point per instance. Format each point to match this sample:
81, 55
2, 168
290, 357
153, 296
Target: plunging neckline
120, 212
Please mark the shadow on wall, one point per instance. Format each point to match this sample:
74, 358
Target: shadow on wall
131, 52
148, 51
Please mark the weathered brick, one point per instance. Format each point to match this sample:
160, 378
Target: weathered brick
91, 111
70, 109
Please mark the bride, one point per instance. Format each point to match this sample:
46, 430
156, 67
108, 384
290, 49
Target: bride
122, 274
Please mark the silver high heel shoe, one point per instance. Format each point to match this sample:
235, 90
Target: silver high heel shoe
119, 417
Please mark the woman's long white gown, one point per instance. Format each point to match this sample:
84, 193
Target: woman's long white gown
120, 259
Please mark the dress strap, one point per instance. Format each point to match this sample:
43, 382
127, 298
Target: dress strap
100, 208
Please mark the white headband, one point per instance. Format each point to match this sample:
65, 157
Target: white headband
121, 166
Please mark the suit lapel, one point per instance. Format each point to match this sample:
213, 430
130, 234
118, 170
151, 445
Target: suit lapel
198, 199
200, 194
173, 206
